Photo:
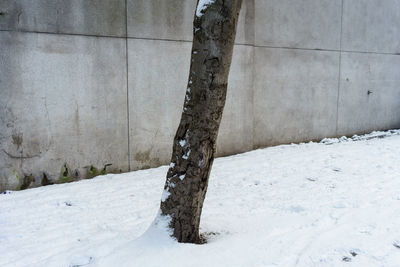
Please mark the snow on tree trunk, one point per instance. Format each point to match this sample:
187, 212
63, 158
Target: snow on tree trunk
194, 145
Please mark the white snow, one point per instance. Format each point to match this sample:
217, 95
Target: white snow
165, 195
333, 203
182, 142
171, 185
202, 6
187, 154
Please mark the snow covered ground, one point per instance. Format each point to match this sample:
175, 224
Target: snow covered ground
334, 203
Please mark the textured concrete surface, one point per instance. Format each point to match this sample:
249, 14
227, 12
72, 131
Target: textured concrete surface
313, 24
301, 70
158, 73
295, 95
161, 19
173, 20
63, 100
94, 17
369, 93
245, 28
236, 129
371, 26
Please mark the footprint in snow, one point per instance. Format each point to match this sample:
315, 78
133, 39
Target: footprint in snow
348, 259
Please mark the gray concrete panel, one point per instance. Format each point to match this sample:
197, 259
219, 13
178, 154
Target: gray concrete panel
62, 100
156, 99
313, 24
236, 130
371, 26
173, 20
95, 17
158, 73
161, 19
245, 27
369, 93
295, 95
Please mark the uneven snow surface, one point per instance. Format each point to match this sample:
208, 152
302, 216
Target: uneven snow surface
334, 203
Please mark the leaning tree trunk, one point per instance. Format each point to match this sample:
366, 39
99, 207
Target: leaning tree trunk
195, 140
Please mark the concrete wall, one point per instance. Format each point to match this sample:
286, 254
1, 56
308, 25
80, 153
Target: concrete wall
86, 83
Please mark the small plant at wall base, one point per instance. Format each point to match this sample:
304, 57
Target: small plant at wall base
23, 183
93, 171
65, 176
45, 180
27, 181
104, 170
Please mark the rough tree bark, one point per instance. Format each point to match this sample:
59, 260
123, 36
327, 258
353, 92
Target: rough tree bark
194, 145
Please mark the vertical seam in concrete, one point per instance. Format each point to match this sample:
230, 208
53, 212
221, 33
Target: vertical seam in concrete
253, 83
127, 84
253, 88
340, 65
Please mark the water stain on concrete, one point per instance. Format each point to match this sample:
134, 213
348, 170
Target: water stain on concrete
17, 139
146, 160
143, 156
